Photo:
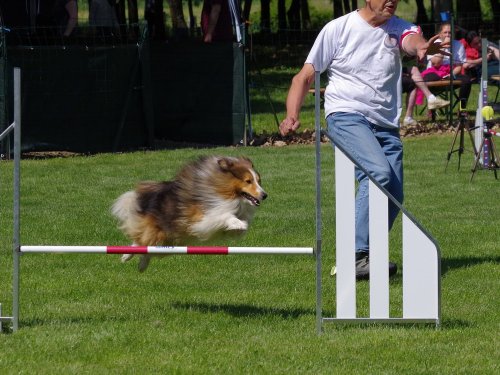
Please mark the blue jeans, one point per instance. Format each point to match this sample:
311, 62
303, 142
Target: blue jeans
380, 151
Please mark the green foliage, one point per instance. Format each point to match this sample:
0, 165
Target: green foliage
239, 314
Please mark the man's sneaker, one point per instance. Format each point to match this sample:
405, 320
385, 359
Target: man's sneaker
437, 103
363, 266
408, 121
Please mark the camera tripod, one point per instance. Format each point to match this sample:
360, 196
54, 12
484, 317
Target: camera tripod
463, 124
489, 151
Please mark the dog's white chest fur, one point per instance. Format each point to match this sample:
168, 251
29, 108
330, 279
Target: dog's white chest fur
226, 215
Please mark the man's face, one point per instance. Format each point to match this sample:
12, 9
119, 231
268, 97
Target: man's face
383, 8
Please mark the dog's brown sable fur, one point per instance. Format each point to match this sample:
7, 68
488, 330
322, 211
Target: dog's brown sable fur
212, 196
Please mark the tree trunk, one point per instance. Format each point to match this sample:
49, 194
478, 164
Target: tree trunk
179, 24
294, 15
281, 15
421, 13
246, 10
427, 26
133, 17
338, 9
347, 8
192, 18
468, 14
156, 19
133, 14
265, 15
306, 17
495, 9
121, 17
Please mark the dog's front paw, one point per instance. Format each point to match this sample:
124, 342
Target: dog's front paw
235, 224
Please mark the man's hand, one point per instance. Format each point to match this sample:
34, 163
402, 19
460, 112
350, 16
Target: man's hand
289, 125
431, 47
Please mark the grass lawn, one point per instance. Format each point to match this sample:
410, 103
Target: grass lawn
240, 314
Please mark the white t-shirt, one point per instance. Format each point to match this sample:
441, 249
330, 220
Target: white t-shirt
363, 64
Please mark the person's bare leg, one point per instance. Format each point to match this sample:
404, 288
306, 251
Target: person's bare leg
433, 102
410, 103
419, 82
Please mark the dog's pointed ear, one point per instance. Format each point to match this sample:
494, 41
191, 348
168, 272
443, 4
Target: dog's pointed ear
225, 164
247, 159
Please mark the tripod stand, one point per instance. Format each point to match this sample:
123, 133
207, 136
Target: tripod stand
490, 155
463, 125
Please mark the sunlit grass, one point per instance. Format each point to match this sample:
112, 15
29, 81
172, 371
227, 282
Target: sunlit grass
239, 314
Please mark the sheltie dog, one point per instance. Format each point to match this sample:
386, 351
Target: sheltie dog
209, 198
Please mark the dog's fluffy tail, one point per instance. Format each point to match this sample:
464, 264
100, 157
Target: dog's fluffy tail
125, 206
126, 210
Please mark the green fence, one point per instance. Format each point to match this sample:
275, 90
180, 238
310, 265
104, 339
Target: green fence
125, 95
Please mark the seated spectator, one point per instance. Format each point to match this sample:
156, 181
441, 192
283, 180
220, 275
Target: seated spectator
439, 67
473, 64
412, 81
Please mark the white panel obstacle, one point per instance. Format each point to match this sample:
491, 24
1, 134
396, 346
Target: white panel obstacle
421, 266
379, 252
421, 258
344, 207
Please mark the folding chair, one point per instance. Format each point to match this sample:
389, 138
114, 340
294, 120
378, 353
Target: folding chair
447, 89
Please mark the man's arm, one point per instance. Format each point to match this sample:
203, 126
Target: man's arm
301, 83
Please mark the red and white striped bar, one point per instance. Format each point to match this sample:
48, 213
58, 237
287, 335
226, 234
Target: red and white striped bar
188, 250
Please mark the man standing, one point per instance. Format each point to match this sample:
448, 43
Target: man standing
361, 53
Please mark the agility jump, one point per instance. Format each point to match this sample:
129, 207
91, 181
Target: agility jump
421, 255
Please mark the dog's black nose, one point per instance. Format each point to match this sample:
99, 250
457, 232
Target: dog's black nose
264, 195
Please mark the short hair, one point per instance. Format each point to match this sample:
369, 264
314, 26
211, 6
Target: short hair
442, 25
469, 37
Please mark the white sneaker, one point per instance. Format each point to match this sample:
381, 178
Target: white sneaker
409, 121
437, 103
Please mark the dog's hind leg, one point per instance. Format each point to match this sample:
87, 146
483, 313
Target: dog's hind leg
144, 262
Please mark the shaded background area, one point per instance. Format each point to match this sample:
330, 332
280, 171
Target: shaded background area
95, 95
